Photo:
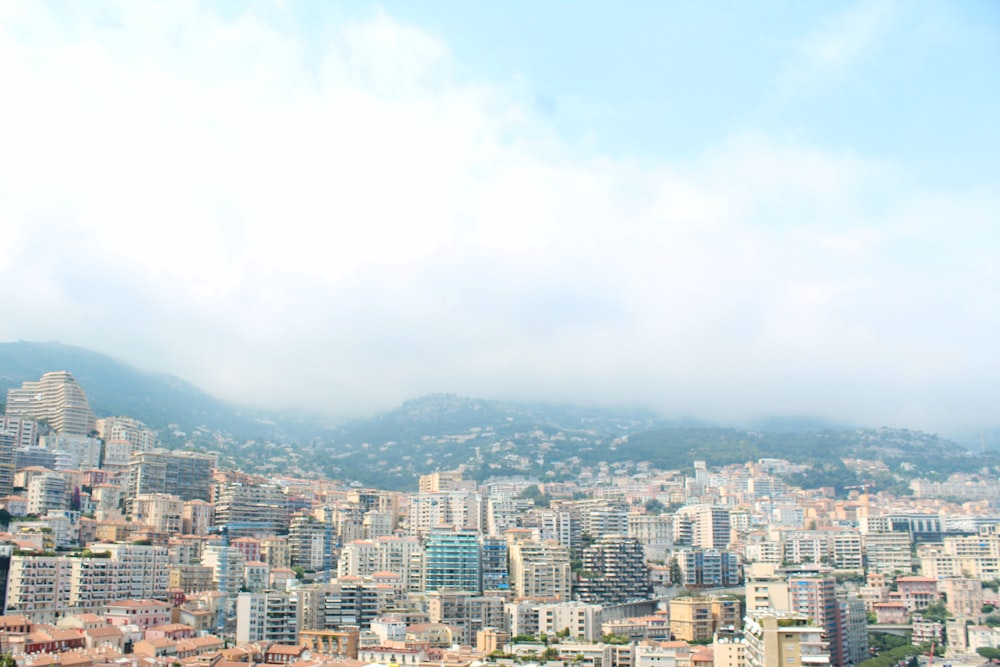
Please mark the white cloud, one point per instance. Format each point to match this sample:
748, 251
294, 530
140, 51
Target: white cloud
838, 46
201, 196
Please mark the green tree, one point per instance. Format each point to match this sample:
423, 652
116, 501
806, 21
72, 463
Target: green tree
987, 652
936, 612
654, 506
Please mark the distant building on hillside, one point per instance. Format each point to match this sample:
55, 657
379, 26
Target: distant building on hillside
55, 399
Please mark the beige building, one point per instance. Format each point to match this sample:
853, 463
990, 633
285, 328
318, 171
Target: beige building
963, 596
765, 588
777, 639
197, 517
697, 619
161, 511
540, 570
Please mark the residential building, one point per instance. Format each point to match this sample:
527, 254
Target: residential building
270, 616
264, 505
783, 639
465, 610
57, 400
698, 619
452, 561
708, 568
187, 475
616, 571
540, 570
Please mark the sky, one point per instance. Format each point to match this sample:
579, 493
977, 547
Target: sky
721, 210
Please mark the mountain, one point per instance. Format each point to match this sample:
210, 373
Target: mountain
485, 438
115, 388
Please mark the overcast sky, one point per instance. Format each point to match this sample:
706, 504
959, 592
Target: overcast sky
709, 209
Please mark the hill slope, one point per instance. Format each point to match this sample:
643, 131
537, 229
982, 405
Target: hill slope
115, 388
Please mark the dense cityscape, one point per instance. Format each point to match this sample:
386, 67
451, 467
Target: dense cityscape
119, 551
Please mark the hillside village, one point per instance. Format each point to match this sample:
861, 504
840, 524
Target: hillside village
121, 551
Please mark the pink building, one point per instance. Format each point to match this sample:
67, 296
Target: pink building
143, 613
917, 592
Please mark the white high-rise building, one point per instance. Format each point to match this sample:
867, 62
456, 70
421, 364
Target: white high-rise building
55, 399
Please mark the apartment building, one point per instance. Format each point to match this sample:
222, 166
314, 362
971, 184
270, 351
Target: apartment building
697, 619
57, 400
616, 571
540, 570
268, 617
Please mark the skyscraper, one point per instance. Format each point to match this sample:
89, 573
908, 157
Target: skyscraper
187, 475
616, 571
452, 561
55, 399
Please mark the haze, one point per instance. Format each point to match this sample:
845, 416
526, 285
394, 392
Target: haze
712, 210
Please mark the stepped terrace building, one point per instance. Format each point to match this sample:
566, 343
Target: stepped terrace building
55, 399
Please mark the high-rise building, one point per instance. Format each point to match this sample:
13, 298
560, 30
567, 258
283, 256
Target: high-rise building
458, 510
161, 511
540, 570
496, 572
8, 443
311, 543
708, 567
187, 475
123, 436
47, 492
265, 505
705, 526
616, 571
816, 597
452, 561
57, 400
23, 431
855, 628
268, 617
227, 565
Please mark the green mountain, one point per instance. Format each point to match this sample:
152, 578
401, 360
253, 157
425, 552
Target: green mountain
485, 438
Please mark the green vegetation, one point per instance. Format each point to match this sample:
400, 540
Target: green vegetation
936, 612
881, 642
890, 658
990, 653
993, 620
534, 494
614, 638
654, 506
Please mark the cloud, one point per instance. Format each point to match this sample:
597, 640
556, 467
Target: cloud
345, 229
838, 46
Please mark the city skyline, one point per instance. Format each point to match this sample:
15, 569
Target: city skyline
724, 212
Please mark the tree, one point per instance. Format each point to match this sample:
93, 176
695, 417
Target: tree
535, 495
936, 612
987, 652
654, 506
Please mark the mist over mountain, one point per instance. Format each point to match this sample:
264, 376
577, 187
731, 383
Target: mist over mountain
115, 388
486, 437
